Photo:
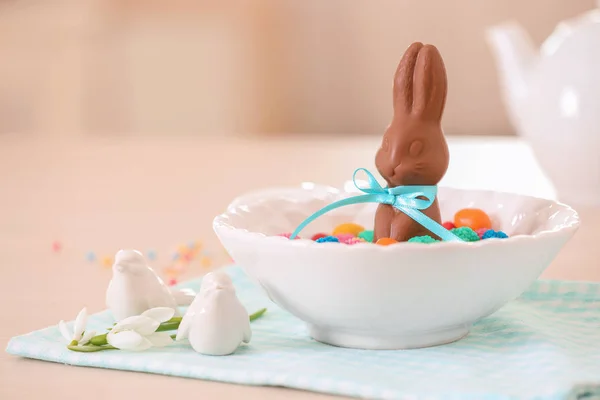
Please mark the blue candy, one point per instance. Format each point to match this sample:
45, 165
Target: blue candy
332, 239
490, 234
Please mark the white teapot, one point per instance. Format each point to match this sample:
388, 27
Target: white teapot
552, 96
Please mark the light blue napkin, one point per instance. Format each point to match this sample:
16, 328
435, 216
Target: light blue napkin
544, 345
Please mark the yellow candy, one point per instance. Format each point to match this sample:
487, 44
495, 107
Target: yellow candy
349, 227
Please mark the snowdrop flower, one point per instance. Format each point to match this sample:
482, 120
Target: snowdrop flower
138, 333
79, 336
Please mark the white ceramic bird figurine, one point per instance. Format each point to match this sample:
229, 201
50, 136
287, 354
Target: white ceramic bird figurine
135, 288
216, 323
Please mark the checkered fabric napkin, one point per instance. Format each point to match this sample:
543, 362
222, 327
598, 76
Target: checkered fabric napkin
544, 345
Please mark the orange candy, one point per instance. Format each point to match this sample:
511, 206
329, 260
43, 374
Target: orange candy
474, 218
386, 241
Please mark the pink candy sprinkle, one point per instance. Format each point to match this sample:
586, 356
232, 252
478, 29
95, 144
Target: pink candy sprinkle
480, 232
344, 237
354, 240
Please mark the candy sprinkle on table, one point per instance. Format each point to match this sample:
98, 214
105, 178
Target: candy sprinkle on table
56, 246
151, 255
90, 256
107, 261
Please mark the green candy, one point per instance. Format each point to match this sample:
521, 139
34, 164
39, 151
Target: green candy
465, 233
423, 239
367, 236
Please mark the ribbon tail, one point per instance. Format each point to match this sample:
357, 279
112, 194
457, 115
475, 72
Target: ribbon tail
430, 224
367, 198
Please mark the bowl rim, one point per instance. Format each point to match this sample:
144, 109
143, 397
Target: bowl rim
220, 224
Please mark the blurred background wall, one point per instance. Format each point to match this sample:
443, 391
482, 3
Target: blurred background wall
174, 67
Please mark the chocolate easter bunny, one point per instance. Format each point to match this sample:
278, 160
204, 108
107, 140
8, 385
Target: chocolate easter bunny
414, 150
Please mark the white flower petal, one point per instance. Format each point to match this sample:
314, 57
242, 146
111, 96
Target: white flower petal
86, 337
160, 314
124, 340
145, 344
80, 323
139, 323
160, 339
62, 327
127, 323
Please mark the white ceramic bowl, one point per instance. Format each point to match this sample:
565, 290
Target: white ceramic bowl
406, 295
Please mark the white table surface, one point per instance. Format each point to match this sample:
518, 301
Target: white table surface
100, 195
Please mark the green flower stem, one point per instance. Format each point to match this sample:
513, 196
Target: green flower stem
99, 342
168, 326
258, 314
174, 319
90, 349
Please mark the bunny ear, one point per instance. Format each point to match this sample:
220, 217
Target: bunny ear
403, 79
430, 84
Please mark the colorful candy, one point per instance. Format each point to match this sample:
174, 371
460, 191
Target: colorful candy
318, 236
490, 234
354, 240
348, 227
350, 240
328, 239
474, 218
422, 239
448, 225
386, 241
481, 232
344, 237
367, 236
470, 225
465, 233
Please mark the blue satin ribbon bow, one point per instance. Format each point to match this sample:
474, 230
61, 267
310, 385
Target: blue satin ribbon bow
404, 198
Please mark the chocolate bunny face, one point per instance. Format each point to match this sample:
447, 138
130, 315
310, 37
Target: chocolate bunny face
413, 150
